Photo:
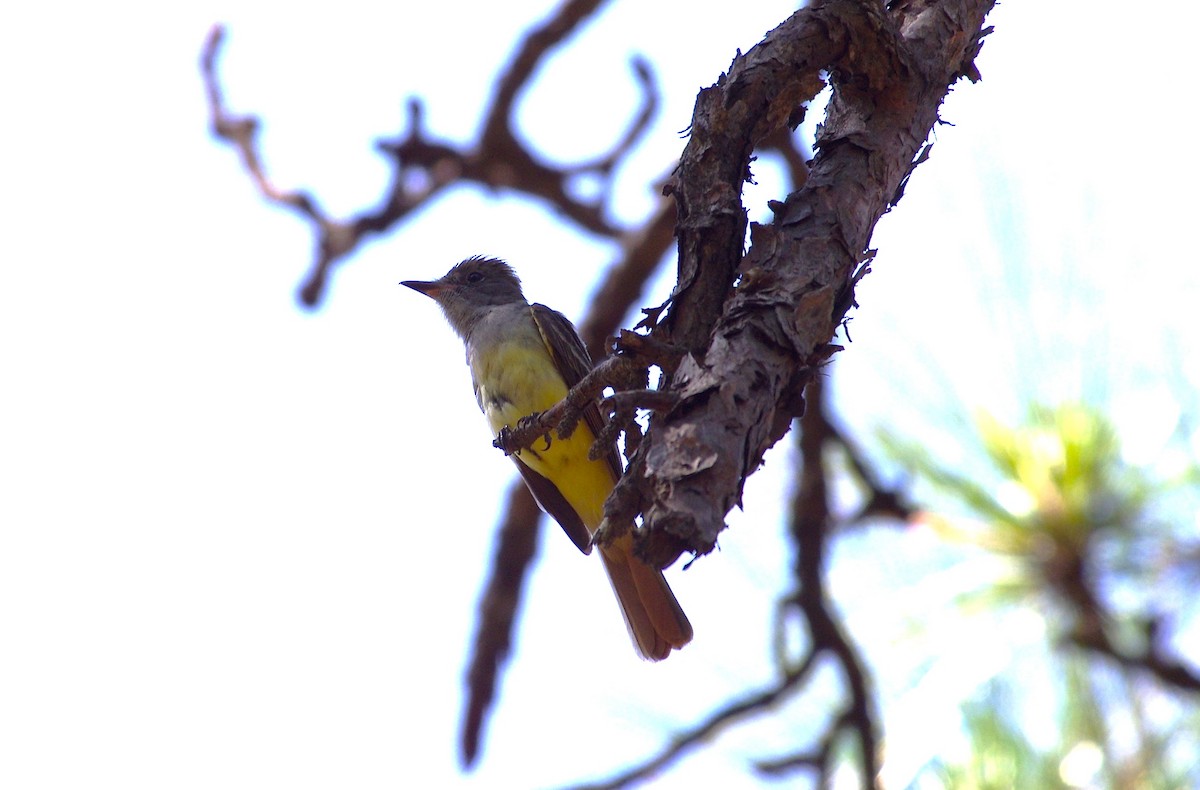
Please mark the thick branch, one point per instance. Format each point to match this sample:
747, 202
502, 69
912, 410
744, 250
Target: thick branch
755, 347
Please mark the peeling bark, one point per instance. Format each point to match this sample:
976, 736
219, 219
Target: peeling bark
758, 326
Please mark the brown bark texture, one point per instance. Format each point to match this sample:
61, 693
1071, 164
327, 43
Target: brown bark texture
756, 327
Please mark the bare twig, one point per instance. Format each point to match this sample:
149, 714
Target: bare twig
820, 759
241, 131
716, 721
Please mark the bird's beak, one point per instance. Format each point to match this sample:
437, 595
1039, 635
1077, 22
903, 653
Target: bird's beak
430, 288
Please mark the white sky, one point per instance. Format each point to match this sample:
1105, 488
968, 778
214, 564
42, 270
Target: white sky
241, 545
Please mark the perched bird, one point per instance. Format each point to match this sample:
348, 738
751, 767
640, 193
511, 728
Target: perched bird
523, 359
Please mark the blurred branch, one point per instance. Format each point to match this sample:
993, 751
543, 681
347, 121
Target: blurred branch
624, 285
820, 760
516, 546
795, 160
715, 722
882, 501
241, 131
423, 167
1167, 670
810, 524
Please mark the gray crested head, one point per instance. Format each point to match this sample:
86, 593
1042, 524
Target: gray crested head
470, 289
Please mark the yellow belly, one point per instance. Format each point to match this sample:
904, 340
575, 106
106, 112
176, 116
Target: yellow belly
517, 379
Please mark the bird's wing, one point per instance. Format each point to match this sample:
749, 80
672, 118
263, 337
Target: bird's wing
571, 358
551, 500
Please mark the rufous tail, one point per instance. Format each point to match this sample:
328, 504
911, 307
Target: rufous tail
655, 619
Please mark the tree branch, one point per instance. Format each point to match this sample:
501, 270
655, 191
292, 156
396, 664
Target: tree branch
1167, 670
754, 347
716, 721
810, 524
516, 546
625, 282
423, 167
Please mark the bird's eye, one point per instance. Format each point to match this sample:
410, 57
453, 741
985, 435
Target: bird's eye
474, 277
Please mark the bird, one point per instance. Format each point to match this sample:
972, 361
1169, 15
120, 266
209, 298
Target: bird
523, 359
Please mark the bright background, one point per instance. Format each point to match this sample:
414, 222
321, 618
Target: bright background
241, 544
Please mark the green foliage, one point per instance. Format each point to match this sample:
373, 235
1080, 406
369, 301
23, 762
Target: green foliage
1001, 755
1102, 551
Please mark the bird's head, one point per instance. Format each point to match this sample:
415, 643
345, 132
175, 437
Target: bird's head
470, 288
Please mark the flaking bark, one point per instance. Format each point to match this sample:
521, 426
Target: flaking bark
755, 343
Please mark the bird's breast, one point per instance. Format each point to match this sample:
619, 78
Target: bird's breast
514, 379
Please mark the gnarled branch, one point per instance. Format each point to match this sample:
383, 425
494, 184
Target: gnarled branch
753, 347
